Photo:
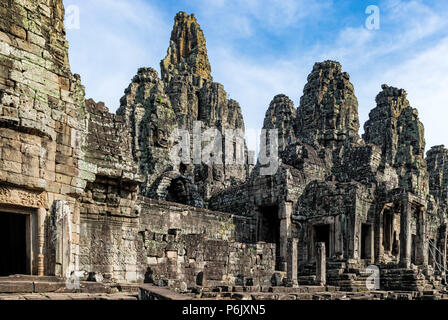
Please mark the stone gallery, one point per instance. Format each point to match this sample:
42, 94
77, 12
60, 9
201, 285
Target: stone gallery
90, 195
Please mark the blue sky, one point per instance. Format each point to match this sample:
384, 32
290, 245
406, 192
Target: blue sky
260, 48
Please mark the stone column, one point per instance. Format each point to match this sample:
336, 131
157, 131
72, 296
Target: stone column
311, 245
421, 257
405, 233
352, 237
41, 215
379, 251
292, 262
338, 237
321, 272
356, 238
61, 227
390, 231
284, 214
370, 245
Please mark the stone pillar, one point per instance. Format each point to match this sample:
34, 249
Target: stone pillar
311, 245
356, 238
389, 227
421, 256
321, 272
405, 234
41, 215
379, 251
370, 245
352, 237
284, 214
292, 263
61, 235
338, 237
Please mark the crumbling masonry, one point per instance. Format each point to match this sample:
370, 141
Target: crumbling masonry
84, 191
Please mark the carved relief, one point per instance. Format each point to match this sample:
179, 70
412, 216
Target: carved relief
4, 192
24, 198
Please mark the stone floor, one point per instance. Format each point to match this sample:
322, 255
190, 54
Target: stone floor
68, 296
22, 287
151, 292
53, 288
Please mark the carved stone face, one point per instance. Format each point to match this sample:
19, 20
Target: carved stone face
163, 127
162, 137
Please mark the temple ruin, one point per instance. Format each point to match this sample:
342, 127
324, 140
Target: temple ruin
91, 194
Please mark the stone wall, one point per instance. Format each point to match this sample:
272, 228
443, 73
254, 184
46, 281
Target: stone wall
42, 119
84, 177
173, 243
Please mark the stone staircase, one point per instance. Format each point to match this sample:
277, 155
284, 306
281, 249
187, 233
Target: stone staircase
308, 275
354, 278
355, 281
337, 276
393, 278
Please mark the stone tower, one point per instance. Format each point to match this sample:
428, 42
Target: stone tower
394, 126
186, 99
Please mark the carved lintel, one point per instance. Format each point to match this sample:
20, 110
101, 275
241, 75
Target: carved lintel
22, 197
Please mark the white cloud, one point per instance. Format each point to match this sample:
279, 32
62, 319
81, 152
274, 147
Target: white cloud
222, 16
425, 78
408, 51
115, 39
254, 83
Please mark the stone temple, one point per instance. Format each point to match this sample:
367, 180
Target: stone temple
90, 195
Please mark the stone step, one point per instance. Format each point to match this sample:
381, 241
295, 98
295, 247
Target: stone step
306, 280
17, 286
12, 287
30, 278
127, 287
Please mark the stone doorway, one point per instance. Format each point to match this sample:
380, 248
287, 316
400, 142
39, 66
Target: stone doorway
366, 241
269, 229
388, 231
322, 234
13, 244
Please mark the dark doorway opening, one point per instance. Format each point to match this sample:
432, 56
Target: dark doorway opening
365, 241
322, 234
414, 249
395, 245
269, 229
387, 231
13, 244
